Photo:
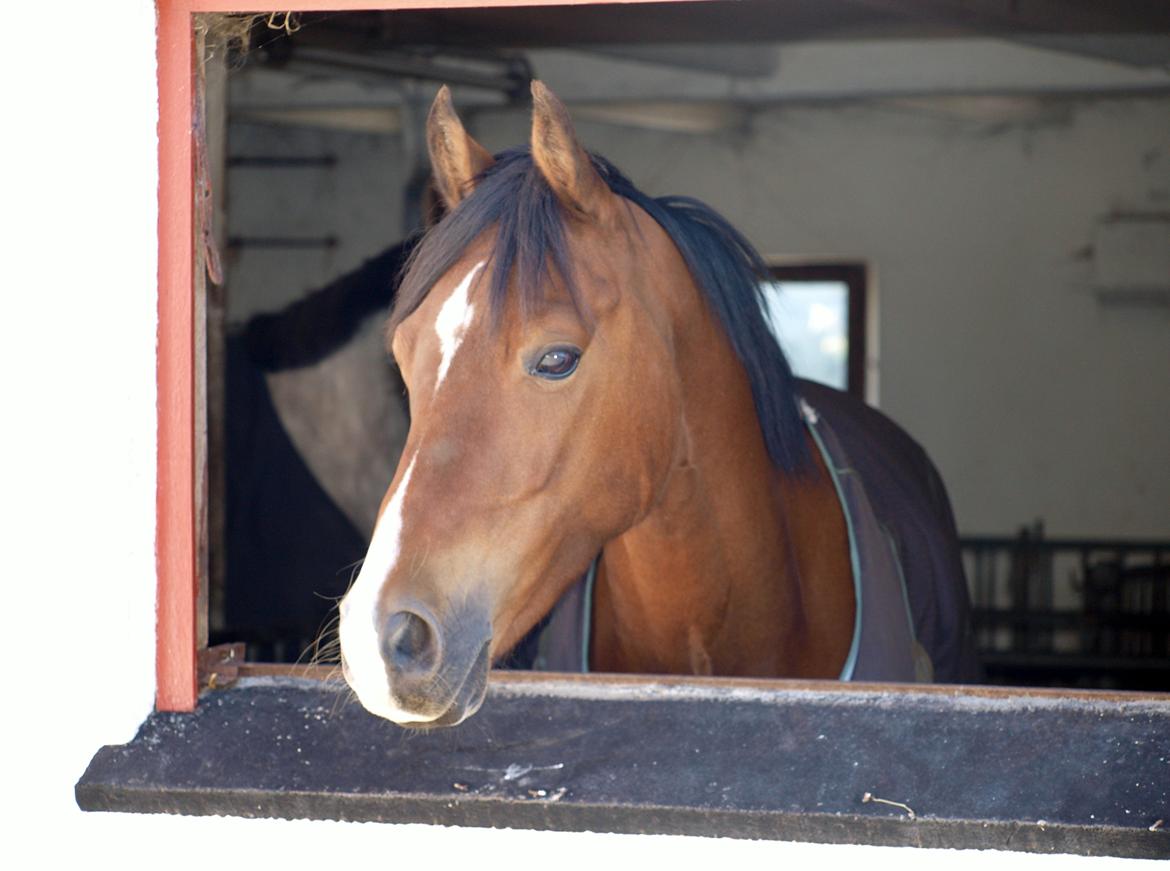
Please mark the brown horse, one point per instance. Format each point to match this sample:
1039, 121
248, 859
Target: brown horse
590, 373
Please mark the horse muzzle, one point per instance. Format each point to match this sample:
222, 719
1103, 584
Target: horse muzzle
416, 667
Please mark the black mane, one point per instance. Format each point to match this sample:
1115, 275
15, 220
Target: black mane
531, 248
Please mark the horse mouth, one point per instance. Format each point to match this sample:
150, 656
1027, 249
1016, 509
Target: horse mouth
467, 699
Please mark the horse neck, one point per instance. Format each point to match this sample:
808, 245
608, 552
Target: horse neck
716, 578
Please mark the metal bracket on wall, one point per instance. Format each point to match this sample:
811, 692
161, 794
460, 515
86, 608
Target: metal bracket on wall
287, 243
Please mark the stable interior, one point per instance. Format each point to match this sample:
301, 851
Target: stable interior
967, 214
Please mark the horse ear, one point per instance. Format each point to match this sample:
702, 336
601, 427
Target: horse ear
561, 159
456, 158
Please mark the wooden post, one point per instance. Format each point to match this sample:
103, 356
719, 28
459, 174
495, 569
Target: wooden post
175, 496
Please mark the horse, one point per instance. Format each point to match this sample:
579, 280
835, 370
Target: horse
594, 392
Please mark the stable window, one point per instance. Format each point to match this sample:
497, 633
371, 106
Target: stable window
819, 313
851, 760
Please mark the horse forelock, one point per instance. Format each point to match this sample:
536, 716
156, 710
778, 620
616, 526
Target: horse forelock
530, 252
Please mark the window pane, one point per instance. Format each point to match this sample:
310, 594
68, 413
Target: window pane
811, 320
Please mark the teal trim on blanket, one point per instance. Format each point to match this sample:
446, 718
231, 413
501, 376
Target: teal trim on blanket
587, 614
854, 559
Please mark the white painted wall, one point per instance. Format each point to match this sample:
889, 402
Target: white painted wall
1033, 400
78, 484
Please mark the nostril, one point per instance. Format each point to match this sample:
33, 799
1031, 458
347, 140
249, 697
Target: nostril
409, 644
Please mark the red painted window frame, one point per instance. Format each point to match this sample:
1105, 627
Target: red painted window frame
175, 496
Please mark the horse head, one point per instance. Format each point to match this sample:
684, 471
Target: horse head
535, 331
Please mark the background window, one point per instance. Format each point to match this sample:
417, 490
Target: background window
818, 314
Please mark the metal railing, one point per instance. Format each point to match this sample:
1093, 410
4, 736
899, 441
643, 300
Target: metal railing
1071, 612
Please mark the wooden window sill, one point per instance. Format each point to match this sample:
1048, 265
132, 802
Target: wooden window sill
1029, 770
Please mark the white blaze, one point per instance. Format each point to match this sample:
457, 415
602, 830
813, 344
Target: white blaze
366, 671
453, 320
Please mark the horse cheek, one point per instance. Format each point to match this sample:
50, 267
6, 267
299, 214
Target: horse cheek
646, 438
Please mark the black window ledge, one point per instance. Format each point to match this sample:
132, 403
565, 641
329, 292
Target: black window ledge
1033, 771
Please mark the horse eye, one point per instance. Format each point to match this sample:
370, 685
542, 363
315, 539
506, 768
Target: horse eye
557, 363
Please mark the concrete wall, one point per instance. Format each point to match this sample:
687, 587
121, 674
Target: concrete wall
78, 498
1033, 399
976, 214
358, 201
